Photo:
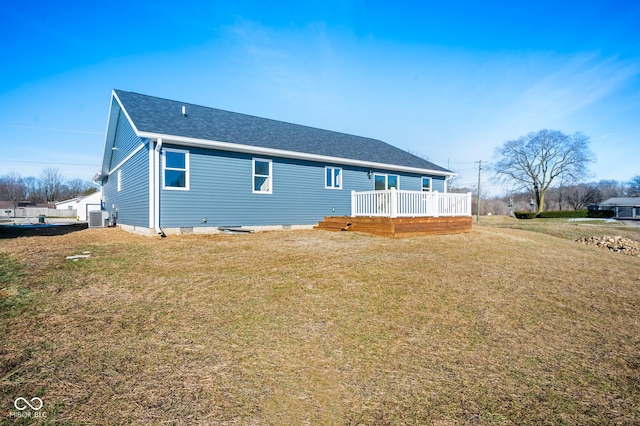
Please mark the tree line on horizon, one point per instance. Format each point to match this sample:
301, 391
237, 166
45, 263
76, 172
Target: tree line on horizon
49, 187
547, 170
563, 197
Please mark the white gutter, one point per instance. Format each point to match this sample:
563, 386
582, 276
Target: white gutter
249, 149
156, 186
446, 183
151, 154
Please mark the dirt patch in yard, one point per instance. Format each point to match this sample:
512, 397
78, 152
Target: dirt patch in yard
499, 326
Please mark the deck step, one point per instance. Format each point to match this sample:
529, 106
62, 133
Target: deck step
334, 223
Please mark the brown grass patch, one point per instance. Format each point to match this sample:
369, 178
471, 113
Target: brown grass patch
500, 326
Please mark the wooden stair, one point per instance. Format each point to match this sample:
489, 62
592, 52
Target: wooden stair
334, 223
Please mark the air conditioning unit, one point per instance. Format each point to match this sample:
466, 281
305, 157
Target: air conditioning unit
98, 219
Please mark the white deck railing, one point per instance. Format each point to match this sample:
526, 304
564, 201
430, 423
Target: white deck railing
400, 203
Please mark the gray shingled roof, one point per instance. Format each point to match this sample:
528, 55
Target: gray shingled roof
162, 116
621, 201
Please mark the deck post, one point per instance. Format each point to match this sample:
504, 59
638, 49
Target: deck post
353, 203
393, 208
436, 205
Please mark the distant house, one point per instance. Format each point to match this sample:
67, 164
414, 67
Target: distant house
171, 166
82, 205
623, 207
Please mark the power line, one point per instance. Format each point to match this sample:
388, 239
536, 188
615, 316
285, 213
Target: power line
464, 162
53, 129
50, 162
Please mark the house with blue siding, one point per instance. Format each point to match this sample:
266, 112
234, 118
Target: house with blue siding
172, 167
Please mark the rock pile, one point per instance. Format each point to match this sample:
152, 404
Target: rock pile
616, 244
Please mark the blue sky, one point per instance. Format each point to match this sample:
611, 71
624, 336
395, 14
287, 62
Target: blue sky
450, 80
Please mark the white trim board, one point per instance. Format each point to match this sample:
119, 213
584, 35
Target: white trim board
257, 150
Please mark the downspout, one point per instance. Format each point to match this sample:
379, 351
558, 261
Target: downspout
446, 183
156, 184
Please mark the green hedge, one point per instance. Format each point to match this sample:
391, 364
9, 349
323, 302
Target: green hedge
563, 214
600, 214
554, 214
525, 215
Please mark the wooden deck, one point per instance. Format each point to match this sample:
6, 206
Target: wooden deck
399, 226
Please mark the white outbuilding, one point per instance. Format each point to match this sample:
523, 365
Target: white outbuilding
82, 205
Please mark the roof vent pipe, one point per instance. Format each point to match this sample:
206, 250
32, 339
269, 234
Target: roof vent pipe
184, 111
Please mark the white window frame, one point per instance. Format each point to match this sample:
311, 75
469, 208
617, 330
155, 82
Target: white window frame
334, 178
386, 180
186, 169
119, 179
254, 176
430, 183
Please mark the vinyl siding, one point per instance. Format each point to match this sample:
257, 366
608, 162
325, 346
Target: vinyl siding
125, 142
133, 199
221, 191
438, 183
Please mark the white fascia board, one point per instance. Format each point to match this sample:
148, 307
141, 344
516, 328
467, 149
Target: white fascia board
256, 150
114, 107
127, 158
108, 142
123, 109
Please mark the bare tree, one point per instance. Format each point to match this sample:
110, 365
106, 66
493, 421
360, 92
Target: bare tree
536, 160
12, 188
610, 189
76, 188
557, 195
581, 196
50, 187
51, 181
32, 187
494, 205
634, 186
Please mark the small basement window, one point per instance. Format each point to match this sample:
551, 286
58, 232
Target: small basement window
333, 178
176, 169
262, 171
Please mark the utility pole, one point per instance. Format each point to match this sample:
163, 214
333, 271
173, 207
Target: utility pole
478, 203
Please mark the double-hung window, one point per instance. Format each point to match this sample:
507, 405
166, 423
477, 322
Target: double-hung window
262, 172
333, 177
382, 182
426, 184
176, 169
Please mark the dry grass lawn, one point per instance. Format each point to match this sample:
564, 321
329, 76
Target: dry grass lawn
499, 326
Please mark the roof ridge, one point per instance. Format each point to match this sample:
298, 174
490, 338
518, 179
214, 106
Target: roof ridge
256, 116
